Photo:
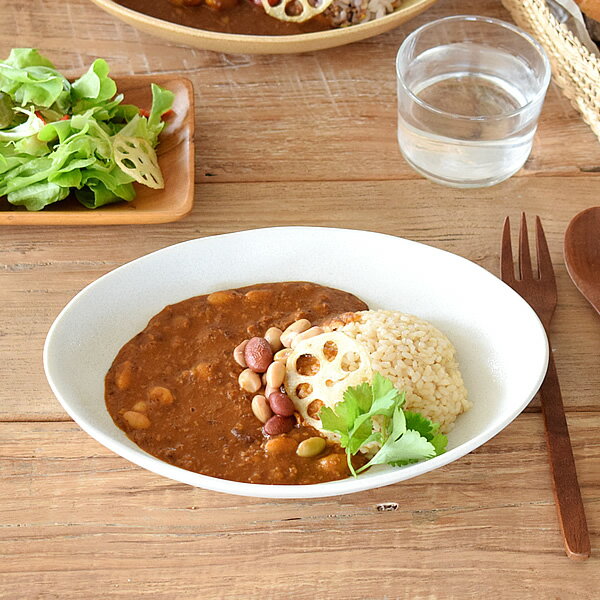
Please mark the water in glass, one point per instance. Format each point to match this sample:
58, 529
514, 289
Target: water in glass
487, 149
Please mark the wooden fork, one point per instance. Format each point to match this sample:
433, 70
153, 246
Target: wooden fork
540, 292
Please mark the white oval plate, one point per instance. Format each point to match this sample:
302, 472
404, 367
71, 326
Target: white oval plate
501, 344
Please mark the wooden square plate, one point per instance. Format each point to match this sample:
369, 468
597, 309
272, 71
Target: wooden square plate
175, 156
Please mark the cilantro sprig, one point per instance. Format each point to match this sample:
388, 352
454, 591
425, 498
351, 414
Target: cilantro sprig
373, 413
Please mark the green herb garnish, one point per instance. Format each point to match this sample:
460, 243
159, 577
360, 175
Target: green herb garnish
57, 137
373, 413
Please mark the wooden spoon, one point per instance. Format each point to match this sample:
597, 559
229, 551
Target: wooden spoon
582, 254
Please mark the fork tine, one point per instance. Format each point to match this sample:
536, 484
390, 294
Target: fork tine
525, 268
545, 268
507, 269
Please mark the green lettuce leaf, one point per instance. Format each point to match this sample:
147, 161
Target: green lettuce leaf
32, 126
150, 128
31, 79
56, 137
21, 58
7, 113
103, 188
38, 195
162, 101
7, 163
95, 84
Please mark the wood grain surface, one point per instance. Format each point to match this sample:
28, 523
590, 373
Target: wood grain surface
281, 140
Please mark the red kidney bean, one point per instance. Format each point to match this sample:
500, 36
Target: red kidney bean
281, 404
277, 425
258, 354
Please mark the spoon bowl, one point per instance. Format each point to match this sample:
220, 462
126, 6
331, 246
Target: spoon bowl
582, 254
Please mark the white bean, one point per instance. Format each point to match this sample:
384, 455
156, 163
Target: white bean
312, 332
249, 381
293, 330
275, 374
261, 409
273, 336
270, 390
238, 354
136, 420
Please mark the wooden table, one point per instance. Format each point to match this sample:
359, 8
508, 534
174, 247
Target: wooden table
282, 140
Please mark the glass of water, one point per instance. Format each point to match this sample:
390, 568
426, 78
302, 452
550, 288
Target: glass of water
470, 91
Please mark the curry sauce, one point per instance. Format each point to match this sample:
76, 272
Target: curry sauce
180, 377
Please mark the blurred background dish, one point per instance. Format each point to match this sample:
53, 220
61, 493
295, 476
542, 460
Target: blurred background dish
262, 44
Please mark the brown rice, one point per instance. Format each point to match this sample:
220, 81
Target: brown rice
418, 358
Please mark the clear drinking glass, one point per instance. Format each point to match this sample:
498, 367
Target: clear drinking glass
470, 91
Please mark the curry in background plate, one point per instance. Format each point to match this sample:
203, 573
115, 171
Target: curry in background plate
264, 17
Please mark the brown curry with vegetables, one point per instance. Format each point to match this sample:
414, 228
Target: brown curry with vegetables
227, 16
178, 392
265, 17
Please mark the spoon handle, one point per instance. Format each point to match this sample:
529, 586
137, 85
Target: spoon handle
571, 514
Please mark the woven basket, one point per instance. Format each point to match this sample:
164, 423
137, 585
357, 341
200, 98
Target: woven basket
575, 69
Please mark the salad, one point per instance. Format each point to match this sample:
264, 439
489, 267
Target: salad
58, 137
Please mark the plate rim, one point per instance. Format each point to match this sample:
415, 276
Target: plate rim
277, 491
